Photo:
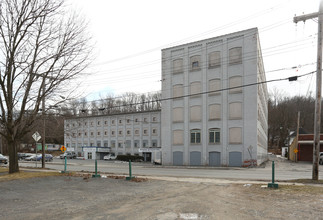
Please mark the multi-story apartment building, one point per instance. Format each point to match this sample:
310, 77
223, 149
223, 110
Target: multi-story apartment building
214, 109
135, 133
210, 116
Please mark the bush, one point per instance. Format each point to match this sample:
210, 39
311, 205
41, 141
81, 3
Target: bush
133, 158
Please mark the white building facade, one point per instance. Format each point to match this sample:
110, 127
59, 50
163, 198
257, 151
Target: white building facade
209, 115
129, 133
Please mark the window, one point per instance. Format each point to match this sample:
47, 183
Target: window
235, 135
195, 113
195, 62
106, 122
105, 133
235, 81
178, 137
85, 133
128, 121
215, 85
137, 132
98, 143
145, 143
235, 110
178, 90
214, 136
215, 112
92, 133
85, 123
98, 123
154, 119
120, 121
235, 55
178, 114
80, 134
178, 66
154, 131
105, 143
145, 120
154, 143
195, 136
113, 122
195, 88
119, 144
136, 120
120, 132
113, 144
128, 132
99, 133
145, 131
113, 133
215, 59
136, 143
91, 123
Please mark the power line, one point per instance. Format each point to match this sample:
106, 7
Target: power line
292, 78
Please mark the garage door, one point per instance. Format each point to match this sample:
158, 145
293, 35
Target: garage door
178, 158
235, 159
215, 159
195, 158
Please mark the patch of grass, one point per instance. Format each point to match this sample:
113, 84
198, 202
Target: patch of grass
5, 176
306, 189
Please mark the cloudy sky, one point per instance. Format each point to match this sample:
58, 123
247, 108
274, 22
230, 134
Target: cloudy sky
129, 36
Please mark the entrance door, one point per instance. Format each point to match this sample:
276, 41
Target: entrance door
147, 157
215, 159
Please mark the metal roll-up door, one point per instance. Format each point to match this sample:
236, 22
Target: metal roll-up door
195, 158
214, 159
235, 159
177, 158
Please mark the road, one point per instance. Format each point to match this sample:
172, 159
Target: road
284, 170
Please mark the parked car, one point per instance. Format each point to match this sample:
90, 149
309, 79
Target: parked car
48, 157
30, 158
109, 157
321, 158
3, 159
68, 155
22, 156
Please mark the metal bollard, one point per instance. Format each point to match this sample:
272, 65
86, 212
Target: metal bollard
273, 184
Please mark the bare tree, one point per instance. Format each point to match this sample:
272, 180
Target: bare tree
42, 48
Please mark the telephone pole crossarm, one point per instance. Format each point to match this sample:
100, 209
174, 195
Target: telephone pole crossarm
305, 17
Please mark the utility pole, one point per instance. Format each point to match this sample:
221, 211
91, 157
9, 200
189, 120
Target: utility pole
44, 129
317, 118
297, 133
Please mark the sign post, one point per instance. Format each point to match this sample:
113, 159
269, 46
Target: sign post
36, 136
63, 149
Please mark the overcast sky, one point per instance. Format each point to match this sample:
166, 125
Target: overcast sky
129, 36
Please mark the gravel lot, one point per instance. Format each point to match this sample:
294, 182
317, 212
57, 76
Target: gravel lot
66, 197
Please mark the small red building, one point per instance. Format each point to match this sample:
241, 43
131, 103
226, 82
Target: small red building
304, 148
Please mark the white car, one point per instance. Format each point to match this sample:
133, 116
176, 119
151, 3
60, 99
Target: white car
321, 158
109, 157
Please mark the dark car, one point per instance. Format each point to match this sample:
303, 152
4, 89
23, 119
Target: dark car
3, 159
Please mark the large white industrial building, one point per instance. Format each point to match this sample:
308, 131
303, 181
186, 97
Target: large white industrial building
210, 116
203, 121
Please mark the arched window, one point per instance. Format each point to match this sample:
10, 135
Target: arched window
195, 136
195, 62
235, 81
235, 55
215, 59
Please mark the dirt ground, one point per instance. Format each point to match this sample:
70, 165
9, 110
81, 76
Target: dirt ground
66, 197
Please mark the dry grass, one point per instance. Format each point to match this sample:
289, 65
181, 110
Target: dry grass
5, 176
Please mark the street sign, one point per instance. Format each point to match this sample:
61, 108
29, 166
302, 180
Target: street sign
295, 151
36, 136
63, 149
